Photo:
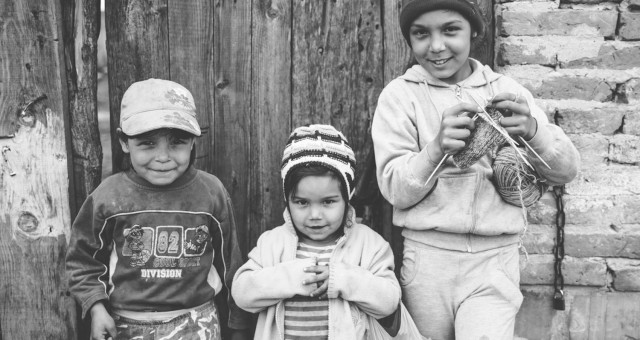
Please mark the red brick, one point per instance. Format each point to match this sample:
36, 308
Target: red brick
629, 26
559, 22
626, 274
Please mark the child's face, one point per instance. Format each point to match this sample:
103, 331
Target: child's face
441, 42
160, 158
317, 209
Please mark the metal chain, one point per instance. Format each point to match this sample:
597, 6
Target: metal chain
558, 251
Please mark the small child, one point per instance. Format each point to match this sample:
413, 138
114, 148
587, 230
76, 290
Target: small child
320, 275
460, 272
153, 246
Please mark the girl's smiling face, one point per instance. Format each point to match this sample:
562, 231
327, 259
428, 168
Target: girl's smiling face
317, 209
441, 42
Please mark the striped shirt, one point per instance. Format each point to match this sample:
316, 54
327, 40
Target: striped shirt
307, 317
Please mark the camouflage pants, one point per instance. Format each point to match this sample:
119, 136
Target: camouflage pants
199, 324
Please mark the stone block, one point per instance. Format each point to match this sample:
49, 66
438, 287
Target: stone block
565, 22
604, 120
574, 87
601, 241
625, 149
613, 55
546, 50
629, 26
602, 210
609, 180
626, 274
544, 211
539, 239
577, 271
629, 92
593, 148
632, 123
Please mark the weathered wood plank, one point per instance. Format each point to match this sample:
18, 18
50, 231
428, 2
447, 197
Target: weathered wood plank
270, 111
191, 61
35, 219
137, 49
232, 121
82, 21
337, 67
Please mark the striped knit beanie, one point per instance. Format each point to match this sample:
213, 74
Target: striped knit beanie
320, 145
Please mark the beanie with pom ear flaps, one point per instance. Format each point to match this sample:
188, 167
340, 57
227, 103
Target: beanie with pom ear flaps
320, 145
412, 9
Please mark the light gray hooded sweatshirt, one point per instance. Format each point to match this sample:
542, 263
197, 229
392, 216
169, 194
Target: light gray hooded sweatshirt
458, 209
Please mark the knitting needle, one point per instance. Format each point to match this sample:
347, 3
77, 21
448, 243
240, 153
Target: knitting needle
534, 152
521, 139
446, 156
501, 130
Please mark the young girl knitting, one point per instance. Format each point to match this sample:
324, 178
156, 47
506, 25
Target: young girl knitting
320, 275
460, 271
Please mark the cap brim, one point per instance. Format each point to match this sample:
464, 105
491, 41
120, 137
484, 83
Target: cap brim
160, 119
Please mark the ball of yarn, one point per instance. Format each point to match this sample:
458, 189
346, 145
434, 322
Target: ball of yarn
516, 183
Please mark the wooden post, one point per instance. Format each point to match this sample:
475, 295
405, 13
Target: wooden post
270, 111
35, 217
82, 21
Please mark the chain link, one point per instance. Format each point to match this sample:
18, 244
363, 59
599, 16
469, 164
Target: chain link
558, 251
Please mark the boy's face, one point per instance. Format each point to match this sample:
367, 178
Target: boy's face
317, 209
441, 42
159, 158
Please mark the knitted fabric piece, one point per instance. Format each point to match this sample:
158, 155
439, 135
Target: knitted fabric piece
320, 145
482, 140
516, 183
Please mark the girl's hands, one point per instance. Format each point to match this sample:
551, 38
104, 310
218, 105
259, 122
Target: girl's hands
321, 280
455, 128
517, 116
102, 324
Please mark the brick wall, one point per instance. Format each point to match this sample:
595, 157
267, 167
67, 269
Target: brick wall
581, 59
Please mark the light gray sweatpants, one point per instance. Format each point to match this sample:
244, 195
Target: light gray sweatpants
459, 295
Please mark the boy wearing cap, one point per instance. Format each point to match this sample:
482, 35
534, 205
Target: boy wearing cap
153, 249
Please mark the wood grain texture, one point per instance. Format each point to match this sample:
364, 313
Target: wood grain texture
137, 49
232, 112
82, 21
191, 50
270, 111
337, 67
34, 205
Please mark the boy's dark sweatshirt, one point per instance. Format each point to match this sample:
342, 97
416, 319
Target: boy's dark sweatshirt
141, 247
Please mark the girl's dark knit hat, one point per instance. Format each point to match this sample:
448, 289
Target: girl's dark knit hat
412, 9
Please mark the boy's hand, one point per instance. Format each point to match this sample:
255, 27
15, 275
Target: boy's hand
517, 116
102, 324
321, 280
455, 128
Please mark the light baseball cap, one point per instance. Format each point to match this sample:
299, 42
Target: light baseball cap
156, 104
